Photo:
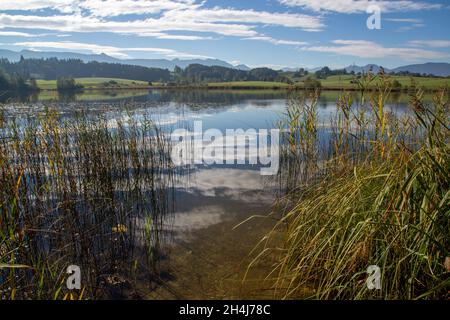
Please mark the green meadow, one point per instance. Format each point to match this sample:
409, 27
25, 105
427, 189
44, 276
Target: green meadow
96, 83
248, 84
345, 81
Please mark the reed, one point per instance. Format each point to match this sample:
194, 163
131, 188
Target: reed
379, 195
80, 191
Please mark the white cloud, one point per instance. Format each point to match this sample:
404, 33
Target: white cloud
166, 36
147, 27
430, 43
360, 6
413, 23
188, 11
301, 21
162, 16
16, 34
100, 8
117, 52
108, 8
411, 27
369, 49
277, 41
60, 5
407, 20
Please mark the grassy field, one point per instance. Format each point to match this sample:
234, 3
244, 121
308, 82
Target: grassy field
332, 82
345, 82
96, 83
248, 84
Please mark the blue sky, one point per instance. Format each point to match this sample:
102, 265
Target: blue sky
274, 33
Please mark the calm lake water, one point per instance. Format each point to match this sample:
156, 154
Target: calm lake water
206, 195
204, 200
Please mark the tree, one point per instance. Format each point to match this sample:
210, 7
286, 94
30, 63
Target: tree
67, 84
16, 83
311, 83
396, 84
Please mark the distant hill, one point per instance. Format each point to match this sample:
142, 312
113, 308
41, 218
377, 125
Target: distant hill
436, 69
242, 67
149, 63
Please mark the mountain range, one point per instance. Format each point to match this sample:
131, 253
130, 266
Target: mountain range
149, 63
437, 69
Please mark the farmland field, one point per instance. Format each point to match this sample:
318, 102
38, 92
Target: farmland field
344, 81
95, 83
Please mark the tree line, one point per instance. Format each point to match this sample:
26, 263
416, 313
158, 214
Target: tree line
53, 68
16, 83
197, 73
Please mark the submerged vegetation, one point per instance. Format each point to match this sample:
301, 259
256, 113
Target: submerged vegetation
86, 191
368, 187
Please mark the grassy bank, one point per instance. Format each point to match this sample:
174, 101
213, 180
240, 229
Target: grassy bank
344, 82
338, 83
248, 85
374, 191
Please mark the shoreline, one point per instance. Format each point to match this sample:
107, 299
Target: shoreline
262, 88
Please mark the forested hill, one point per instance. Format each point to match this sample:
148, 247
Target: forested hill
196, 73
53, 68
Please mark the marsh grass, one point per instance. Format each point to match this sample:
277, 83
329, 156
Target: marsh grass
376, 193
88, 191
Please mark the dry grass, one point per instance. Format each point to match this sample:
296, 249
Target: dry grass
375, 191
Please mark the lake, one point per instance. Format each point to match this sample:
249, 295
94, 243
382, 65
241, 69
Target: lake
205, 254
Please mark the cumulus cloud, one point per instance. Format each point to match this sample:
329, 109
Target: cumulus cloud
369, 49
360, 6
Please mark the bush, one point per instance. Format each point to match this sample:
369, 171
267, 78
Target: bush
311, 83
68, 84
396, 84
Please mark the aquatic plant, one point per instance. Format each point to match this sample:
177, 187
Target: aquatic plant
80, 191
378, 196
